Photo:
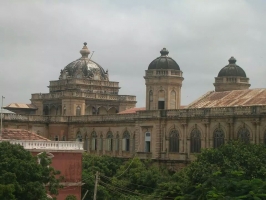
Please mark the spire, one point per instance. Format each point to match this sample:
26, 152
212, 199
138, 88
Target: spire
84, 51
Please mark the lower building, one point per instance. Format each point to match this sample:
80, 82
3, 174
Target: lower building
66, 157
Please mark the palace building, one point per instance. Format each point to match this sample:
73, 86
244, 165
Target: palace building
84, 105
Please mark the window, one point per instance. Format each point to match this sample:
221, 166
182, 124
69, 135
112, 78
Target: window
93, 141
78, 111
46, 110
147, 142
109, 141
56, 138
218, 137
117, 143
243, 135
195, 141
133, 144
161, 99
101, 143
174, 141
150, 99
64, 138
126, 141
79, 136
86, 143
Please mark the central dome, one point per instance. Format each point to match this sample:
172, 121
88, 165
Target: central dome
232, 69
164, 62
84, 67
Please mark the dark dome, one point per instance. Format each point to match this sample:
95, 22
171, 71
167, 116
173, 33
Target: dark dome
164, 62
84, 67
232, 69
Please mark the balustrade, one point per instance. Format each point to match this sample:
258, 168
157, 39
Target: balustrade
48, 145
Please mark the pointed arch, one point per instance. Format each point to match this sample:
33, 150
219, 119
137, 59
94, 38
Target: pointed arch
117, 142
53, 110
79, 136
244, 135
109, 141
93, 141
112, 110
90, 110
195, 141
102, 110
126, 141
174, 141
218, 137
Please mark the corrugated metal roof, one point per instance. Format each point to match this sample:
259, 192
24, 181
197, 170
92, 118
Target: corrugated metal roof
249, 97
21, 105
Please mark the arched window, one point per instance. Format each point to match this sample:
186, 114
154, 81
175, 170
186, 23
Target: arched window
46, 110
173, 100
79, 136
133, 144
126, 141
174, 141
101, 143
150, 99
218, 137
243, 135
78, 111
109, 141
117, 143
93, 141
195, 141
86, 143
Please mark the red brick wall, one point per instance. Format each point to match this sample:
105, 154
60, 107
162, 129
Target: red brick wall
70, 166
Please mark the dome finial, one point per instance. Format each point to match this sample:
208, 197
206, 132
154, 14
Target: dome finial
164, 52
232, 60
84, 51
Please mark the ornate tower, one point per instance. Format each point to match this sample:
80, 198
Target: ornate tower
231, 77
163, 81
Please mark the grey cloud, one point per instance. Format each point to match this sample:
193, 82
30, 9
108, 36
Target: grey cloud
40, 38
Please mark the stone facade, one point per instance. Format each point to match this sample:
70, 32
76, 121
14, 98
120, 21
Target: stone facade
166, 131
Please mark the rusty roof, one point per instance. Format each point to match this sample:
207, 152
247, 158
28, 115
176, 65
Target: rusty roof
250, 97
132, 110
20, 105
21, 134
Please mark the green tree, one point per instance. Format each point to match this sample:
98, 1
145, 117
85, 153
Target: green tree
106, 166
233, 171
21, 177
71, 197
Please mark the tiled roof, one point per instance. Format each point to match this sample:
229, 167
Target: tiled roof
250, 97
21, 105
21, 134
131, 110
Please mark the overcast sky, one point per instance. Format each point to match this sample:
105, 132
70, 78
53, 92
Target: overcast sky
39, 38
